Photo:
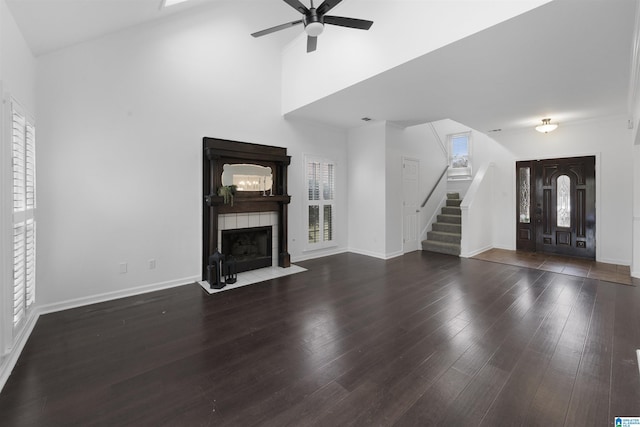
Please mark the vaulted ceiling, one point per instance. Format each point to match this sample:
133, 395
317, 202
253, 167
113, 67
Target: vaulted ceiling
49, 25
569, 60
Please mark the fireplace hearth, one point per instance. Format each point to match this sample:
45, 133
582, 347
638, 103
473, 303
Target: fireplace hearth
250, 247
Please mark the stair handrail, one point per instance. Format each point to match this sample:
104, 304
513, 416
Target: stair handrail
437, 136
446, 168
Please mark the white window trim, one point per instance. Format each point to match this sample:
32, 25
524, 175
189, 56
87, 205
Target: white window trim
6, 331
459, 174
324, 244
11, 331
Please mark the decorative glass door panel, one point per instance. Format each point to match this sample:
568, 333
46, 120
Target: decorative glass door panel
525, 233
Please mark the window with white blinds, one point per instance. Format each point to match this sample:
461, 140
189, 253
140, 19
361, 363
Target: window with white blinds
24, 205
320, 203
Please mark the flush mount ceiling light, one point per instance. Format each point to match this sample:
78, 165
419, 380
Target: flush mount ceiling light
546, 126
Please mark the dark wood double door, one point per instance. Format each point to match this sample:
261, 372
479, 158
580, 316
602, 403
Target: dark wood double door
556, 209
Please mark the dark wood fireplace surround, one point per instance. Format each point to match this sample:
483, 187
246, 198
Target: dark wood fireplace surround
217, 153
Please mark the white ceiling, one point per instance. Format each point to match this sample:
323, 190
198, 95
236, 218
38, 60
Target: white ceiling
569, 60
49, 25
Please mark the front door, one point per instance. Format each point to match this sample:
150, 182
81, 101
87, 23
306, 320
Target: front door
556, 206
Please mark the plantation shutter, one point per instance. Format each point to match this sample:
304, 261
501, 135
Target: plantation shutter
24, 204
328, 190
320, 202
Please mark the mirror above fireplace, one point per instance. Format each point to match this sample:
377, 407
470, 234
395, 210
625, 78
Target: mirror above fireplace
247, 177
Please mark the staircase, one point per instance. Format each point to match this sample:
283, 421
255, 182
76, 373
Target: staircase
445, 234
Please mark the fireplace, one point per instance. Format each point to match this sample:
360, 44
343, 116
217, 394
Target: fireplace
251, 207
250, 247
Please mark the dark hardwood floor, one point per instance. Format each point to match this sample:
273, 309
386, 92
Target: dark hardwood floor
424, 339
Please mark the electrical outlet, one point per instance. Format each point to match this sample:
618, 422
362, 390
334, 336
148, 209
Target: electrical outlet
152, 264
123, 267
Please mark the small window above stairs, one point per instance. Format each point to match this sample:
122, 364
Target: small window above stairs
446, 233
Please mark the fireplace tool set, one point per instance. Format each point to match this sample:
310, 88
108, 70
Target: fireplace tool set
221, 270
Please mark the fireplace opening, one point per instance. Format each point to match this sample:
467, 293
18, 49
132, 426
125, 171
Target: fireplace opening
250, 247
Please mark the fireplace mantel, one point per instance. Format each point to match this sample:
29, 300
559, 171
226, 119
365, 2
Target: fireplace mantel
217, 153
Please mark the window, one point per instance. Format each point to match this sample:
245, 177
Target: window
23, 189
320, 207
459, 155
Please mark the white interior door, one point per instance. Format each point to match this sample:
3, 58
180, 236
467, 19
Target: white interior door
410, 182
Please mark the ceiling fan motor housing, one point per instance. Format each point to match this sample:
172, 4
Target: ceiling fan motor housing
314, 20
313, 24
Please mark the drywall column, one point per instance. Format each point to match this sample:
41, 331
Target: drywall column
477, 214
393, 194
635, 262
366, 189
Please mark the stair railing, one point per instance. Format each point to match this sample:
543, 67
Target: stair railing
444, 172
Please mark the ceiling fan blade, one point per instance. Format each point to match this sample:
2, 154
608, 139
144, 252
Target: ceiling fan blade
326, 6
312, 43
277, 28
360, 24
298, 6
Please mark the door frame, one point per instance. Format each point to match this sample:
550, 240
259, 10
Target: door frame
514, 194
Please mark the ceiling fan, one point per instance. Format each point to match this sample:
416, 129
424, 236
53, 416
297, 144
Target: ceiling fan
314, 20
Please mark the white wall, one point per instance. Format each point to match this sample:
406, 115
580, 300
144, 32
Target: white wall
394, 216
421, 142
477, 213
485, 150
375, 187
611, 141
17, 64
367, 189
121, 121
347, 56
635, 263
17, 79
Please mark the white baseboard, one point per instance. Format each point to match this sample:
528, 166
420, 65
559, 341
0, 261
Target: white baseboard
476, 252
504, 247
635, 274
394, 254
614, 261
9, 361
318, 254
343, 251
368, 253
108, 296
